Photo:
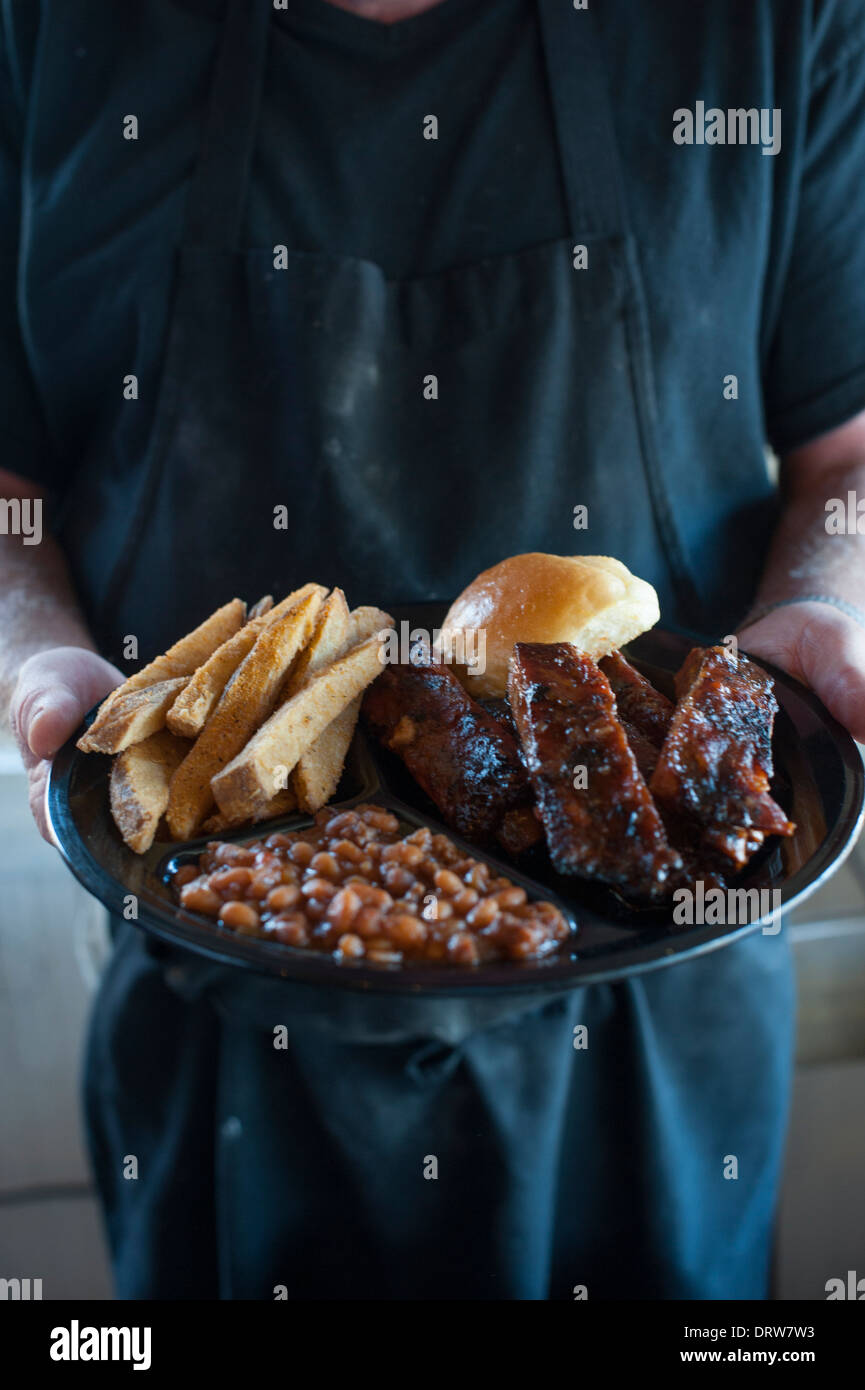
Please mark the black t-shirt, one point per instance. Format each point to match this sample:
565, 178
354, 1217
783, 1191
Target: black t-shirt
752, 265
344, 161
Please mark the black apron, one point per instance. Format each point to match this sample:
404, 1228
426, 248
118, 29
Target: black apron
309, 1169
302, 387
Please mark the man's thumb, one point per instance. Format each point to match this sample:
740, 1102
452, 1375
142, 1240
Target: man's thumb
52, 720
55, 691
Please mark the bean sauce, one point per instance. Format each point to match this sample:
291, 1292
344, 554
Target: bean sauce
353, 886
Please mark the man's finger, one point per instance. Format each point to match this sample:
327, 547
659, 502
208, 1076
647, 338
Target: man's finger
841, 687
36, 793
822, 648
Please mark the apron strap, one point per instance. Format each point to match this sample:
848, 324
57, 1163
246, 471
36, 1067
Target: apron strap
217, 194
594, 191
588, 149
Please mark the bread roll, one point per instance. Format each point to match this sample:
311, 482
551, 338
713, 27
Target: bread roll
590, 600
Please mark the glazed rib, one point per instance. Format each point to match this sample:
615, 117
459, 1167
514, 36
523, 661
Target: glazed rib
645, 713
465, 760
637, 700
502, 712
716, 763
730, 846
566, 716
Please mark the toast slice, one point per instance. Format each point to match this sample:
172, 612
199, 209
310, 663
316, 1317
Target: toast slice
131, 718
316, 776
243, 787
264, 605
279, 805
327, 642
140, 777
195, 704
245, 703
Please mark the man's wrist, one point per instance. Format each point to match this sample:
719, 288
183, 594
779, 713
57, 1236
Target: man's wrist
841, 605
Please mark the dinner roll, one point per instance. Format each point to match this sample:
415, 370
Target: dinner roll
590, 600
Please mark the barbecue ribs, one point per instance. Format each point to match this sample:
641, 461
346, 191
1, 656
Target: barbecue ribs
610, 828
715, 767
465, 759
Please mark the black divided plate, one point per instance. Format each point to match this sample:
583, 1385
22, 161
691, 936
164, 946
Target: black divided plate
819, 782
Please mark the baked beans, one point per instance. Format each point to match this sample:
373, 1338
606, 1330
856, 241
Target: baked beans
354, 886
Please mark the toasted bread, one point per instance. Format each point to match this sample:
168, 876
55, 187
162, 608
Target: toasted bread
316, 776
243, 788
247, 700
131, 718
195, 704
258, 610
326, 643
139, 786
279, 805
366, 621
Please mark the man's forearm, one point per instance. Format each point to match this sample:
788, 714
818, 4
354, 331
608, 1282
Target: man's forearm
808, 554
38, 608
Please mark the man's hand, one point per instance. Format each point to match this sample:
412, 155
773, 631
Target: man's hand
821, 647
816, 643
55, 690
